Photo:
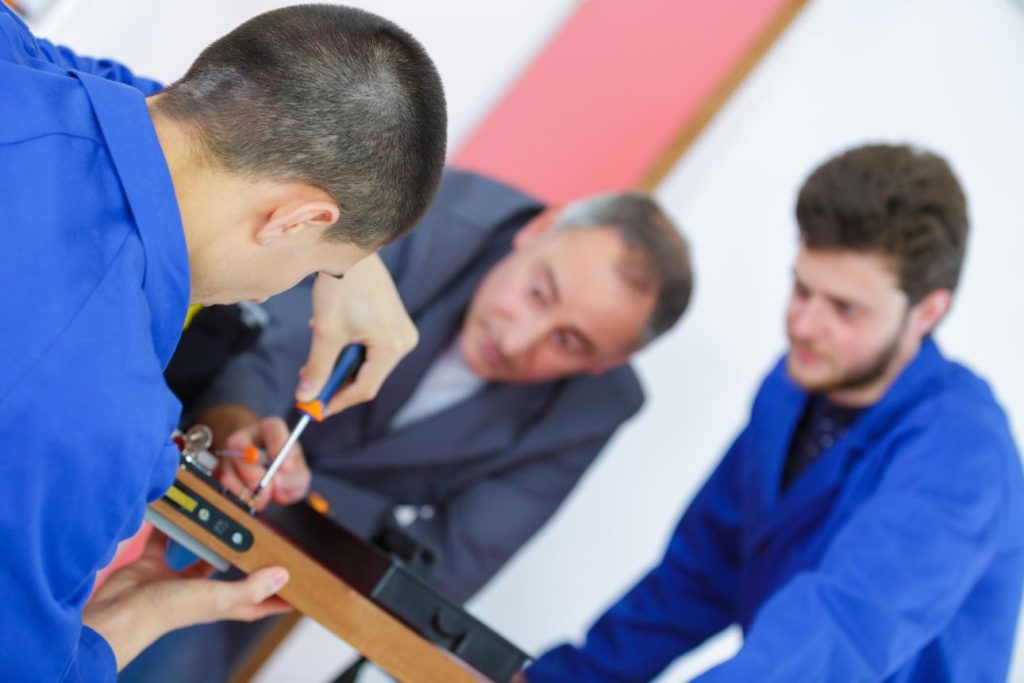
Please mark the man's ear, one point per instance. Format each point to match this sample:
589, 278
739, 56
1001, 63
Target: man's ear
537, 227
930, 310
311, 208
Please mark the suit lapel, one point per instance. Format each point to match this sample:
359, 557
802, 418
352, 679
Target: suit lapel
804, 499
438, 325
483, 423
436, 331
809, 496
777, 420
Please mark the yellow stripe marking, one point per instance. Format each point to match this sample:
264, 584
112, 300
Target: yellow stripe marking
181, 498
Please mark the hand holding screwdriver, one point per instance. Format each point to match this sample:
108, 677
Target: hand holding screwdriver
363, 308
351, 359
295, 478
240, 475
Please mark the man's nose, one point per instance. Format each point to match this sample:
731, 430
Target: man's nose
523, 335
805, 319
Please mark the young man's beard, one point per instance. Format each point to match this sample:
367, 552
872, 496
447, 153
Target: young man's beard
865, 375
859, 378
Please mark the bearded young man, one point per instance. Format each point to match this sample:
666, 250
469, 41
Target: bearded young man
867, 524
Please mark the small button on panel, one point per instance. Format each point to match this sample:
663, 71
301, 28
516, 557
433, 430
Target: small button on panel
227, 530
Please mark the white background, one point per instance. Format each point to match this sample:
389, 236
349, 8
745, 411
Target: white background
946, 74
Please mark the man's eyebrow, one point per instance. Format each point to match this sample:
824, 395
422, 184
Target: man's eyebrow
548, 273
832, 298
843, 301
549, 276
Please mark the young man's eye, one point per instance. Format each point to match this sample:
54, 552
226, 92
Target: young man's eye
536, 292
847, 311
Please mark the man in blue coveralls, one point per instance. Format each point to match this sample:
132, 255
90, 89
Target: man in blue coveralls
867, 524
301, 142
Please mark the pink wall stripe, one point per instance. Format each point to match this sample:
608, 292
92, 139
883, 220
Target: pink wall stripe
609, 93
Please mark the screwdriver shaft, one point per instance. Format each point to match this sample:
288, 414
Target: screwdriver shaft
275, 464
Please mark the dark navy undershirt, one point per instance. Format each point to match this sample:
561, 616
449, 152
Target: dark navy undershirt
822, 424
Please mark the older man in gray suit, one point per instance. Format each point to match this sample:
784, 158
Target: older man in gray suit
527, 317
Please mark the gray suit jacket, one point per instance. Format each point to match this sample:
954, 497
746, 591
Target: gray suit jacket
484, 474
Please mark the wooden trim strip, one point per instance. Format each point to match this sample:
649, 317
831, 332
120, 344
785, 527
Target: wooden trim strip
347, 613
710, 107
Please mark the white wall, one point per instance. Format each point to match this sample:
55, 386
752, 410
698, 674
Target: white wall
942, 73
479, 47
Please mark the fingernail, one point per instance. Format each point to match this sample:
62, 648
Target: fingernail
278, 578
305, 388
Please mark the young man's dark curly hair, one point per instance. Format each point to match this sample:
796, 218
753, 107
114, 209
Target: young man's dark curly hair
896, 200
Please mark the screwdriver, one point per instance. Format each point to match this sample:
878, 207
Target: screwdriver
352, 356
249, 454
177, 556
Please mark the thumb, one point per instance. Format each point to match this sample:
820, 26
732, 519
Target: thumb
184, 602
245, 599
255, 588
323, 353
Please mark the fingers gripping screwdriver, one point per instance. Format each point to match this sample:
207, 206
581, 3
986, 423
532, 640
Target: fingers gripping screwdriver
179, 556
352, 357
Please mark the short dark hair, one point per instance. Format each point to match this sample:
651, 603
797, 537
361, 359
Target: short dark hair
326, 95
658, 254
896, 200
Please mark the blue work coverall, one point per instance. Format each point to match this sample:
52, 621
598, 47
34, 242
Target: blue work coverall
95, 282
898, 555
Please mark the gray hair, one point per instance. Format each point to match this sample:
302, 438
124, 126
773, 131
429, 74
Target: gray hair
658, 256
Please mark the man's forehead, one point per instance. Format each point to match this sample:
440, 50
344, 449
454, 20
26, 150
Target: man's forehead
598, 239
593, 255
597, 300
846, 273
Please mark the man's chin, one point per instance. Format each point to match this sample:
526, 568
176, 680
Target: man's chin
810, 381
481, 370
471, 357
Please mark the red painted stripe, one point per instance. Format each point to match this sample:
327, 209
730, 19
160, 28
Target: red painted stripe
607, 94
